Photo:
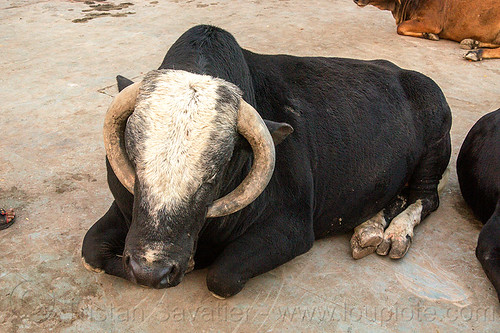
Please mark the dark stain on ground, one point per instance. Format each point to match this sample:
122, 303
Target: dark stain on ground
83, 176
69, 182
103, 8
13, 198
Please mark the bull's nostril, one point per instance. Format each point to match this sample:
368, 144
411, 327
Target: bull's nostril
164, 282
166, 275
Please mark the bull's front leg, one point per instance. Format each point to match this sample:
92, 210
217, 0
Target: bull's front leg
266, 245
419, 28
104, 242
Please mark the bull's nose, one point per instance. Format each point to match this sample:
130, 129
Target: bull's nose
155, 277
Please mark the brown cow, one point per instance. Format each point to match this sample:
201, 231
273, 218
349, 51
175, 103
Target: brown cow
473, 23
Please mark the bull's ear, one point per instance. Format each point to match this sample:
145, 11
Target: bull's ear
123, 82
279, 131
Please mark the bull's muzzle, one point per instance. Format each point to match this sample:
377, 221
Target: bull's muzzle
166, 275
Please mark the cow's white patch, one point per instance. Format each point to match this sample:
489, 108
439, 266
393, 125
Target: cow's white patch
178, 118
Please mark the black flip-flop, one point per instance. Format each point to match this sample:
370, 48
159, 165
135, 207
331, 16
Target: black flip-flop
5, 221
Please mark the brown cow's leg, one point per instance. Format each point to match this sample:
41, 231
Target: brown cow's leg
480, 54
470, 44
417, 28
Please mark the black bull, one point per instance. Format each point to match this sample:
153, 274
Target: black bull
478, 169
368, 137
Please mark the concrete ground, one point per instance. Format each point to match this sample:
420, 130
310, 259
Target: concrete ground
58, 60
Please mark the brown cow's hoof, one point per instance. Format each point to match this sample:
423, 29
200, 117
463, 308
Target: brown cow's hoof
475, 55
430, 35
7, 218
469, 44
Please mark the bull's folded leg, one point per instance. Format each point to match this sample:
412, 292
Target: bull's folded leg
399, 235
423, 199
488, 249
104, 242
368, 235
260, 249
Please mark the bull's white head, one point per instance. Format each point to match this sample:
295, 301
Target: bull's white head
171, 153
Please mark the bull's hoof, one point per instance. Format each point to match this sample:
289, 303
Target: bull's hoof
475, 55
223, 285
367, 237
430, 35
469, 44
217, 296
90, 267
394, 245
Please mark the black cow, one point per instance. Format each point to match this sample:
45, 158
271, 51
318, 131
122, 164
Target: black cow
478, 169
369, 146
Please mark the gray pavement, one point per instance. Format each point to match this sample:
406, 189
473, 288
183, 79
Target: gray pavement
58, 60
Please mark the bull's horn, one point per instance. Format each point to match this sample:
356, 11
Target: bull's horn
120, 109
253, 128
250, 125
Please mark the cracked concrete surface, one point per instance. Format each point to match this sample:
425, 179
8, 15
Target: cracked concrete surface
57, 79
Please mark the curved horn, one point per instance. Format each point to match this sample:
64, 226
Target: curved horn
253, 128
249, 124
118, 112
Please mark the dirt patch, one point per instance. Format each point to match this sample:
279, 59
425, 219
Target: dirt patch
70, 182
103, 8
13, 198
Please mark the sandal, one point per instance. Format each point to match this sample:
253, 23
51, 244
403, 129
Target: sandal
7, 218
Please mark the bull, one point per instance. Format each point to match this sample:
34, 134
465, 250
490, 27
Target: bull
475, 24
198, 182
478, 169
